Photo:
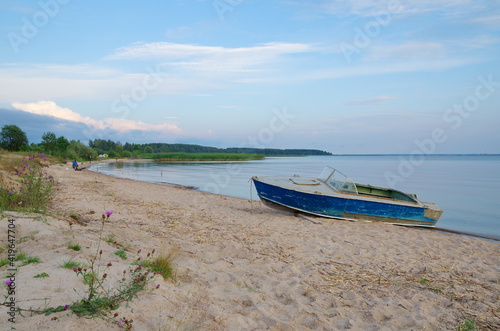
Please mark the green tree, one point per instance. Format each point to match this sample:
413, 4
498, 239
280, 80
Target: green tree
119, 151
62, 144
49, 142
12, 138
77, 150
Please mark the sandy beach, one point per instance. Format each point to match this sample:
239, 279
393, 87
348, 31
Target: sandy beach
243, 266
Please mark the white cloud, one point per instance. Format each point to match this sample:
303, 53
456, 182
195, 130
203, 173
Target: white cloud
482, 41
409, 50
50, 108
372, 101
490, 20
163, 50
404, 7
181, 67
211, 58
418, 65
83, 70
25, 82
168, 50
123, 125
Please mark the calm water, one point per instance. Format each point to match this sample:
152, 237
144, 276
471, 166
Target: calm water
467, 188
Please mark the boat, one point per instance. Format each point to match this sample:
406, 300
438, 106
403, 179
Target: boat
335, 195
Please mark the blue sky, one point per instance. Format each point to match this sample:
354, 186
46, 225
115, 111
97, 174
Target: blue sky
396, 76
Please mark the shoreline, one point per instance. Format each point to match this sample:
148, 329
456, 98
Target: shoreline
461, 233
243, 266
466, 234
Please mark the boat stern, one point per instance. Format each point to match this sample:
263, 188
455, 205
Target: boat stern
432, 211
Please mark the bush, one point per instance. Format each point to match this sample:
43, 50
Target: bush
33, 188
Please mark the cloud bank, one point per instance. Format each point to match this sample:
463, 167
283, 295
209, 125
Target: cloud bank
50, 108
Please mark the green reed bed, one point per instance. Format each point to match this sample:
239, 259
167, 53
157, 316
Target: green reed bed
202, 156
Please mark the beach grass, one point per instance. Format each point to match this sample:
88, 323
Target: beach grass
180, 156
121, 253
25, 258
110, 239
163, 264
25, 184
468, 325
70, 264
76, 247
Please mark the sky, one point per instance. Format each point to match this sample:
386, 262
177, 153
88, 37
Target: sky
346, 77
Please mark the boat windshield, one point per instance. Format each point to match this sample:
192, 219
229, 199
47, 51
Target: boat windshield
338, 180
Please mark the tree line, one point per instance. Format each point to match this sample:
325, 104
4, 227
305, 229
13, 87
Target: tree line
12, 138
105, 146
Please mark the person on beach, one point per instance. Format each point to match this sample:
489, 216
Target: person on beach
75, 166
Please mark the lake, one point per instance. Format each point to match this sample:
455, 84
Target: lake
466, 187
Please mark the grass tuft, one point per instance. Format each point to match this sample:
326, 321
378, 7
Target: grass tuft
26, 259
75, 247
75, 216
70, 264
162, 265
121, 253
468, 325
31, 259
110, 239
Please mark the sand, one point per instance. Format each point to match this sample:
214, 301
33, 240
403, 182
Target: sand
243, 266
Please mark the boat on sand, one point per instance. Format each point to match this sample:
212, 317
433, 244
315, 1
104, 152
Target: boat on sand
335, 195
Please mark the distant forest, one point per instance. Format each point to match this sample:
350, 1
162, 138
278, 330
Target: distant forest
110, 147
12, 138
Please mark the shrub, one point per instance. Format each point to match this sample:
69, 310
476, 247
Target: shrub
33, 189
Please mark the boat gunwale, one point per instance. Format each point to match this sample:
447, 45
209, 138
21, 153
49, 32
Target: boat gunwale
344, 195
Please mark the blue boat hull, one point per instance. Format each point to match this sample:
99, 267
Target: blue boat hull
347, 207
